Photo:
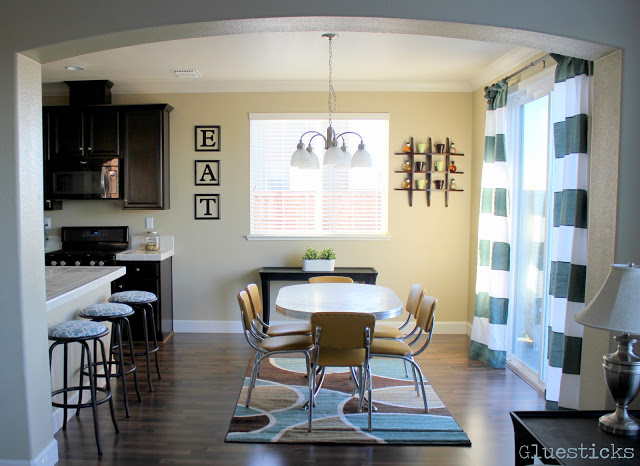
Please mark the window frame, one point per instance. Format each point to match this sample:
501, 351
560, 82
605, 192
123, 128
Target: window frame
383, 233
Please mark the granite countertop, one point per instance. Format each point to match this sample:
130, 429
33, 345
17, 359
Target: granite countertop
64, 284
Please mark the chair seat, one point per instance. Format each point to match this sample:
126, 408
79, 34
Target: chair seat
77, 329
106, 310
289, 329
287, 343
133, 296
390, 347
384, 331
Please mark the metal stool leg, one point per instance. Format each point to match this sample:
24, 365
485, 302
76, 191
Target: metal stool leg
155, 338
92, 386
133, 358
117, 333
107, 378
146, 345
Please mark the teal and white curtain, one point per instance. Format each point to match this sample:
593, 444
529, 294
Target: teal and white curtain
489, 331
569, 113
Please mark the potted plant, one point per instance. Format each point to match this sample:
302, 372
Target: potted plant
323, 261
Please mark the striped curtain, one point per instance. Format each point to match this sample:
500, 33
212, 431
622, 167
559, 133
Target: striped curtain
569, 110
489, 331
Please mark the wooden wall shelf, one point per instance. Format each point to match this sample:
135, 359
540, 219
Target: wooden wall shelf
430, 175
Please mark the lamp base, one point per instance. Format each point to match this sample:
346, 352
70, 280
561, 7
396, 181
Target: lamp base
620, 423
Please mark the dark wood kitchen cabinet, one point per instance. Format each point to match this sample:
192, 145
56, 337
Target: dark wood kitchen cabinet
83, 131
156, 277
146, 156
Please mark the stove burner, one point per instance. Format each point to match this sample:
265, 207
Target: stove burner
88, 250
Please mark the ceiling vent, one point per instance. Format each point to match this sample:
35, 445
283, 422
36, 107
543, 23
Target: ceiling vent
187, 73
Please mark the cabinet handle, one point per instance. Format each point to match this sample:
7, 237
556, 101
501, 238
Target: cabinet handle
89, 149
119, 287
79, 148
137, 269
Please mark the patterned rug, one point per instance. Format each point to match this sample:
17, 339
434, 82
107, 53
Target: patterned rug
275, 415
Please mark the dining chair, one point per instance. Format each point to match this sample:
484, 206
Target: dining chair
269, 346
330, 279
384, 348
416, 292
341, 339
302, 328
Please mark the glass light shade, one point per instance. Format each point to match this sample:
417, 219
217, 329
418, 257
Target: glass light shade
616, 307
311, 160
334, 155
361, 158
347, 155
299, 156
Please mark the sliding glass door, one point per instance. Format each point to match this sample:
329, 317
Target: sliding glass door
529, 121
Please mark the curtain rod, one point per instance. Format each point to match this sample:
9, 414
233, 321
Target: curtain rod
533, 63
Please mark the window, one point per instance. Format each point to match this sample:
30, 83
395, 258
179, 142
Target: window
528, 115
332, 201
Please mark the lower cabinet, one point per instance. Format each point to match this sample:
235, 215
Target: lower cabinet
155, 277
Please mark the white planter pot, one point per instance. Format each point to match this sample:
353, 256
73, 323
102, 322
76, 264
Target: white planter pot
318, 265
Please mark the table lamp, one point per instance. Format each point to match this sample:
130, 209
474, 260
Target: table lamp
616, 307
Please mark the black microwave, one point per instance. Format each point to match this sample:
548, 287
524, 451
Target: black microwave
84, 179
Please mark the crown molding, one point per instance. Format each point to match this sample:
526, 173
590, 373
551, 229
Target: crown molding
198, 86
501, 66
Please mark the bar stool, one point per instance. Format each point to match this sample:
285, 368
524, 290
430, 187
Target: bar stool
116, 314
82, 331
142, 300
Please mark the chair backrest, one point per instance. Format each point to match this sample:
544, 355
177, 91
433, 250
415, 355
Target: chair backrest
413, 300
246, 313
342, 338
330, 279
426, 313
256, 301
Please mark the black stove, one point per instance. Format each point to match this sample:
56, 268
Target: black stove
89, 246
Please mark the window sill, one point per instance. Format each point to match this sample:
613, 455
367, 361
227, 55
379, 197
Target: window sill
318, 237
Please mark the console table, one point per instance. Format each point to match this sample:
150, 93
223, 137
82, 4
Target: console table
269, 274
570, 437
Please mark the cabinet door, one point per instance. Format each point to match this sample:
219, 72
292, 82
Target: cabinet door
102, 133
66, 129
146, 159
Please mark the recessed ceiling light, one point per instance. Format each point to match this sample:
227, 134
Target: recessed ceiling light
75, 68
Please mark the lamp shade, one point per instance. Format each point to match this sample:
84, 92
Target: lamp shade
617, 305
299, 156
311, 159
361, 158
334, 155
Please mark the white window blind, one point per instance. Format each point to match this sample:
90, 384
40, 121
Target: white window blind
332, 201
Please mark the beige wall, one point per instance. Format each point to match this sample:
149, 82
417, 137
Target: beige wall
213, 259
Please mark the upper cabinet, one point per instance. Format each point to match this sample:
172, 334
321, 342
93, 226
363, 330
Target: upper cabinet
81, 132
146, 156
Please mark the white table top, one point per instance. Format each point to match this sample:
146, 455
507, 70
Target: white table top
300, 301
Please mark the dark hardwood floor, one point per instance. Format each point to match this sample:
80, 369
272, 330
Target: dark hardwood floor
185, 420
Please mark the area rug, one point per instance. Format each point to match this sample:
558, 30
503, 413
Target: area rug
275, 414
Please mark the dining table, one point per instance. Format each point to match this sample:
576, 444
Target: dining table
301, 301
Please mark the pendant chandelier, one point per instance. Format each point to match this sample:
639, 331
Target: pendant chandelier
336, 154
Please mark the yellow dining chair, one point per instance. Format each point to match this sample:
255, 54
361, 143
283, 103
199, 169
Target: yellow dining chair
302, 328
413, 300
330, 279
341, 339
269, 346
383, 348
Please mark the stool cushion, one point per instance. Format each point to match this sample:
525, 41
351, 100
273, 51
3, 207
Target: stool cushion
132, 297
77, 329
106, 310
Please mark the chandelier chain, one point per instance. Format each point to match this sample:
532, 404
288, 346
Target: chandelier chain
332, 104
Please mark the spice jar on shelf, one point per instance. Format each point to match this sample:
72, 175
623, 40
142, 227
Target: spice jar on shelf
453, 185
407, 147
452, 167
152, 241
406, 184
452, 148
406, 166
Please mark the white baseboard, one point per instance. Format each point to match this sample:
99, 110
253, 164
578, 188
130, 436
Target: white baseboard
47, 457
229, 326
